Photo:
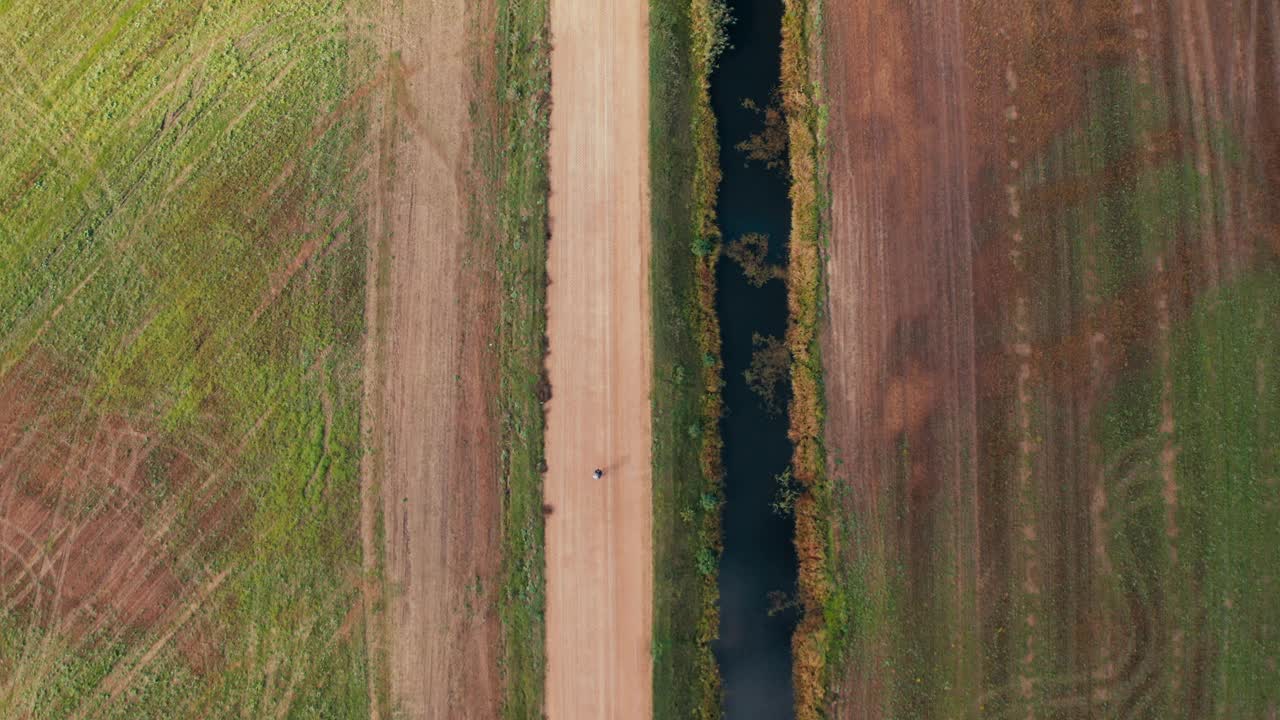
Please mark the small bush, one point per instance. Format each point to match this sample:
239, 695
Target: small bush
769, 146
784, 497
707, 561
694, 431
751, 252
709, 502
770, 364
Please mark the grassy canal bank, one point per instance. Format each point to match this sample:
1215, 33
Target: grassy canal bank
686, 38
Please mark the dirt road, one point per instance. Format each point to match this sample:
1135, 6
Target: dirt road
599, 556
431, 311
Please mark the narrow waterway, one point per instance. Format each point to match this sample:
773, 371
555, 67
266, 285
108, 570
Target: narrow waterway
759, 559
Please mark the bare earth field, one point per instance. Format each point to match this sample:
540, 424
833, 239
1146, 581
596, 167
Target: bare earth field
599, 556
1050, 357
430, 371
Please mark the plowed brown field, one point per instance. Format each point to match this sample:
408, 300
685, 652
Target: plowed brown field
1050, 357
431, 312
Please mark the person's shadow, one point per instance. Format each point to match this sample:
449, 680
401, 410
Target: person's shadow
614, 467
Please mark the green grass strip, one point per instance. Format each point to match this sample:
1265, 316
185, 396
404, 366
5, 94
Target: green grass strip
517, 161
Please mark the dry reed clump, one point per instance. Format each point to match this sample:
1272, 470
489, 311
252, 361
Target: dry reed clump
808, 662
708, 18
803, 294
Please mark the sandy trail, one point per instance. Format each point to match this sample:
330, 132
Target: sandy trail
431, 313
599, 536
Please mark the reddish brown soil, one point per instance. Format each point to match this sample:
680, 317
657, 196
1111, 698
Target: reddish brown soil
73, 549
430, 371
984, 306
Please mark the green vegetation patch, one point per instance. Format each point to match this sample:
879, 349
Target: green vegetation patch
181, 251
1227, 379
514, 157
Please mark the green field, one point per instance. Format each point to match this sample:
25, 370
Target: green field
165, 280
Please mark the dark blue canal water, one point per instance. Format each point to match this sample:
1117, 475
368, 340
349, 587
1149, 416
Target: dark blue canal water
754, 650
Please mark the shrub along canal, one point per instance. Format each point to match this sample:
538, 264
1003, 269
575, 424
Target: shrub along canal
758, 567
